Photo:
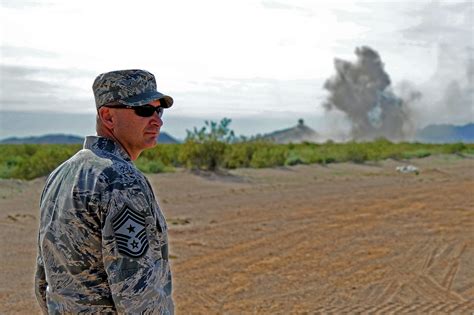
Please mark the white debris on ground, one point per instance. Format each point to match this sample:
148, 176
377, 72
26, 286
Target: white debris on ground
408, 169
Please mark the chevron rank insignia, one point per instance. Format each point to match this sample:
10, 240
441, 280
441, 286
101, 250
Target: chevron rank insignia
130, 232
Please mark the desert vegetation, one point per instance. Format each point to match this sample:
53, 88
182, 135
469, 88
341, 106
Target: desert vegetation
28, 161
215, 146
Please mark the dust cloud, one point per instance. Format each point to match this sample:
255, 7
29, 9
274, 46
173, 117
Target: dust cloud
363, 91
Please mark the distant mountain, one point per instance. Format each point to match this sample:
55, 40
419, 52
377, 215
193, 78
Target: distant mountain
446, 133
46, 139
69, 139
165, 138
296, 134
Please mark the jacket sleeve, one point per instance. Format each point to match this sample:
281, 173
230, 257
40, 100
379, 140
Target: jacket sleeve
138, 275
40, 283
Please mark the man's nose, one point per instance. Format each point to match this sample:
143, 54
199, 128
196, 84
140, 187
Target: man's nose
156, 120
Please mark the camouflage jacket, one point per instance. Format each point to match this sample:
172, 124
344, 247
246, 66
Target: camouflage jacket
102, 244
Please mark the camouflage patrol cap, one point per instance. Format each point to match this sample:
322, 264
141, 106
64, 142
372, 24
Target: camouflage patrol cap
130, 87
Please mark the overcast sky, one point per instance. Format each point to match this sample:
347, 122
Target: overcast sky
217, 58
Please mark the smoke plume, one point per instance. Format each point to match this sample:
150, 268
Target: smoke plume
449, 92
362, 90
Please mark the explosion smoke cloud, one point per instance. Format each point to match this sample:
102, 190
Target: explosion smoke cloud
362, 90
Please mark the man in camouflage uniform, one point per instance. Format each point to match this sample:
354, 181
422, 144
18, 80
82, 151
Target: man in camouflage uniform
102, 245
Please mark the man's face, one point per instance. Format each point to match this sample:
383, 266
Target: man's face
136, 133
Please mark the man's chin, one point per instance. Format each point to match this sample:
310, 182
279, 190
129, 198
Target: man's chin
152, 141
151, 144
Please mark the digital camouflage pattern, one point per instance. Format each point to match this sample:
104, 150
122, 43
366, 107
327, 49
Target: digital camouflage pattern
130, 87
102, 245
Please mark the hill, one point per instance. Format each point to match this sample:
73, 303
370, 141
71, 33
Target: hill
297, 134
46, 139
163, 138
446, 133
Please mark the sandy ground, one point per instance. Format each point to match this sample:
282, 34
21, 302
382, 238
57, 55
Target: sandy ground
343, 238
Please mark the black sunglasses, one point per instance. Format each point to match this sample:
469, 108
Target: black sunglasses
142, 111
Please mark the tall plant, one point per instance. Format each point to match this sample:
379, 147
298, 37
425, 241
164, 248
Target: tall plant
204, 148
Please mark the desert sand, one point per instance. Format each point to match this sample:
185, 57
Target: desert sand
341, 238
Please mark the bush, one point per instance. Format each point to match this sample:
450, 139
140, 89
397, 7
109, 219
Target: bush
455, 148
44, 160
29, 161
416, 154
208, 155
153, 166
213, 131
162, 158
269, 156
205, 147
239, 154
294, 159
356, 153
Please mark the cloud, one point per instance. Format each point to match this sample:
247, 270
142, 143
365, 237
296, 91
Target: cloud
448, 93
443, 23
22, 4
25, 52
40, 88
17, 86
250, 96
36, 88
276, 5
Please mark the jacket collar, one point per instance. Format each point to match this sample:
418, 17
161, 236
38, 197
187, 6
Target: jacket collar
101, 144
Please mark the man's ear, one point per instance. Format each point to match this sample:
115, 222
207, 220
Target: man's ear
107, 118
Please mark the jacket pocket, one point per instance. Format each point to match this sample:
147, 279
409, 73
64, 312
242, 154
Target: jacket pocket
153, 234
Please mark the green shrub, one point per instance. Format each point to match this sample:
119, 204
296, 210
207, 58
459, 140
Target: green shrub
205, 147
208, 155
455, 148
269, 156
44, 160
213, 131
29, 161
168, 154
151, 166
239, 154
327, 160
395, 155
302, 154
8, 165
416, 154
293, 159
356, 153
